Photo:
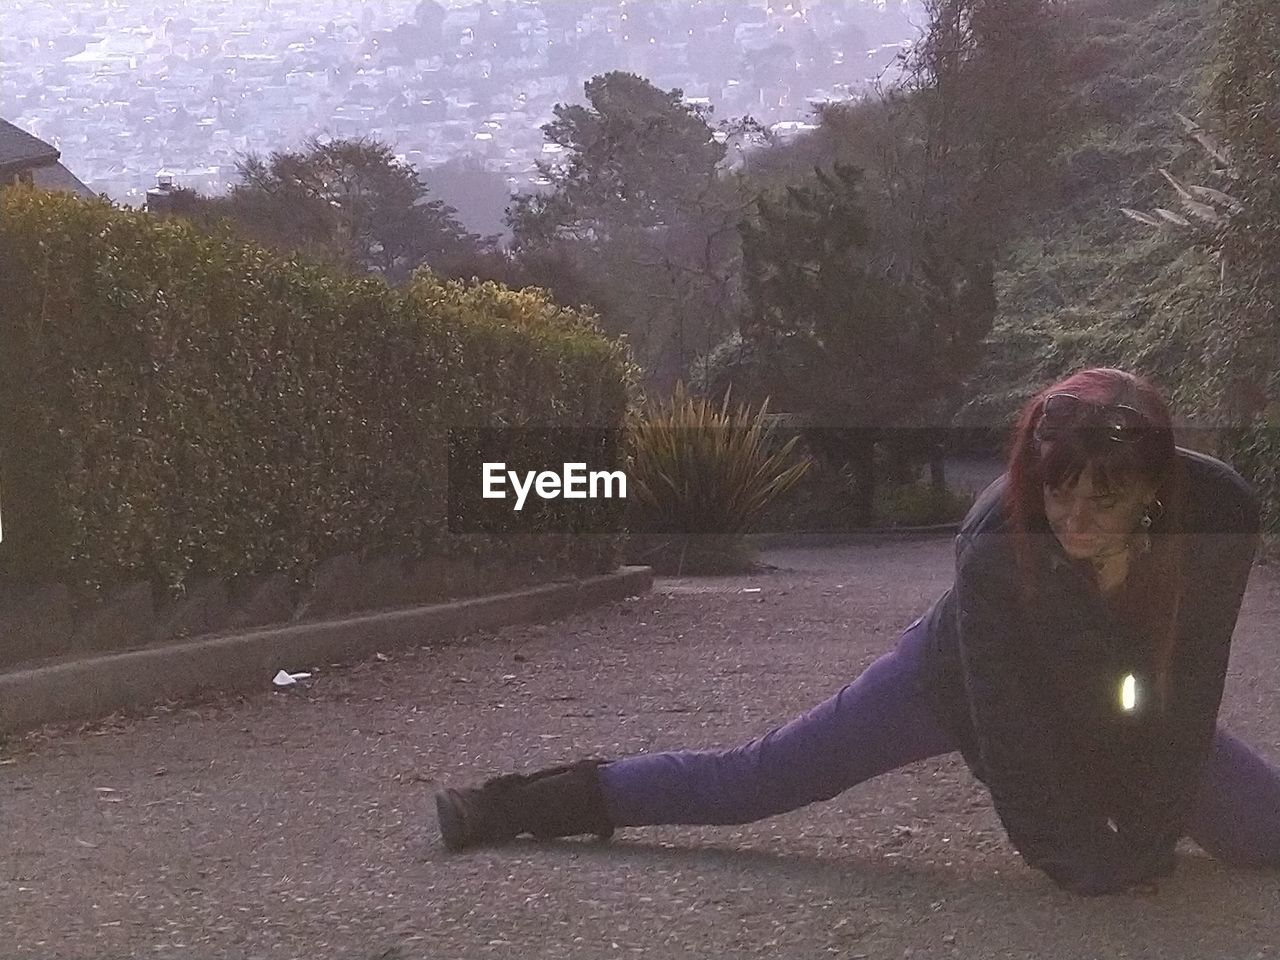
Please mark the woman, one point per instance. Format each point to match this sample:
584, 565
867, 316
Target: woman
1077, 665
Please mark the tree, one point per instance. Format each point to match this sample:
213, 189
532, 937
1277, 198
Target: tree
349, 202
950, 159
478, 197
987, 103
834, 334
979, 116
636, 156
640, 198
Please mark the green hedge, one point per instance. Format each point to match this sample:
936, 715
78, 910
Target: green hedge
179, 404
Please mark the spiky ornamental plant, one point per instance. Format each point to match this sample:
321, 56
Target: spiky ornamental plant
1208, 210
1239, 227
703, 476
1246, 102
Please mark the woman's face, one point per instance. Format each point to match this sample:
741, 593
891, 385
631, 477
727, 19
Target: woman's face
1090, 524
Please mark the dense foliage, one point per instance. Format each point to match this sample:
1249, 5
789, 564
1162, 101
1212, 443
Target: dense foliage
1246, 98
180, 404
350, 203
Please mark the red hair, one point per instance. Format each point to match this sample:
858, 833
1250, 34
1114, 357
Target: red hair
1148, 601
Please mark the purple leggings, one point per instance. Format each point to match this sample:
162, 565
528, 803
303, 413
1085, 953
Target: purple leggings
877, 723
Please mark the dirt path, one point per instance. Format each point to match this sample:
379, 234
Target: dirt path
300, 824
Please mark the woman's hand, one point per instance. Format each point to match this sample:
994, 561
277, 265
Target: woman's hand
1109, 871
1097, 887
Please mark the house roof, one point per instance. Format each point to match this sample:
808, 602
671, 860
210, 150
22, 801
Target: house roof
20, 149
54, 176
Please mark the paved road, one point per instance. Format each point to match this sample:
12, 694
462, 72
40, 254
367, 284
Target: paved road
300, 824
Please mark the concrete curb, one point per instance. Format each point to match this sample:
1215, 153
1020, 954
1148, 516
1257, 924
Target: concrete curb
768, 541
91, 688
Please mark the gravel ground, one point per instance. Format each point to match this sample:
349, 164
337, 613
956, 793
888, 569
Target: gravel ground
300, 823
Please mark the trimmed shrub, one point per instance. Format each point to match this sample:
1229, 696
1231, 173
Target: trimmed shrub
179, 404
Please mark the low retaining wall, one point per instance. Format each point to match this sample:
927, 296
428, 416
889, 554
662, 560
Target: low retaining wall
93, 687
767, 541
43, 622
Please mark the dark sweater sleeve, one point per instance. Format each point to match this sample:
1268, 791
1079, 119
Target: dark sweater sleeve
1050, 815
1169, 773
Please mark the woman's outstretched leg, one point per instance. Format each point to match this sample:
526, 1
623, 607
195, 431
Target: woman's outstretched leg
879, 722
1236, 818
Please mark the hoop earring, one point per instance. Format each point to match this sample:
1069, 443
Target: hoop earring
1147, 521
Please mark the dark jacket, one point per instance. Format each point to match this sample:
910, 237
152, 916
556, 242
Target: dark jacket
1094, 794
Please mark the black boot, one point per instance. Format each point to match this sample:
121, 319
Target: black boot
556, 802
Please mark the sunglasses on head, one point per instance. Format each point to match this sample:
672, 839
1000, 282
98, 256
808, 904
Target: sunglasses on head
1065, 411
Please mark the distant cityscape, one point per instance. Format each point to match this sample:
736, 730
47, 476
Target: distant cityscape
129, 91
